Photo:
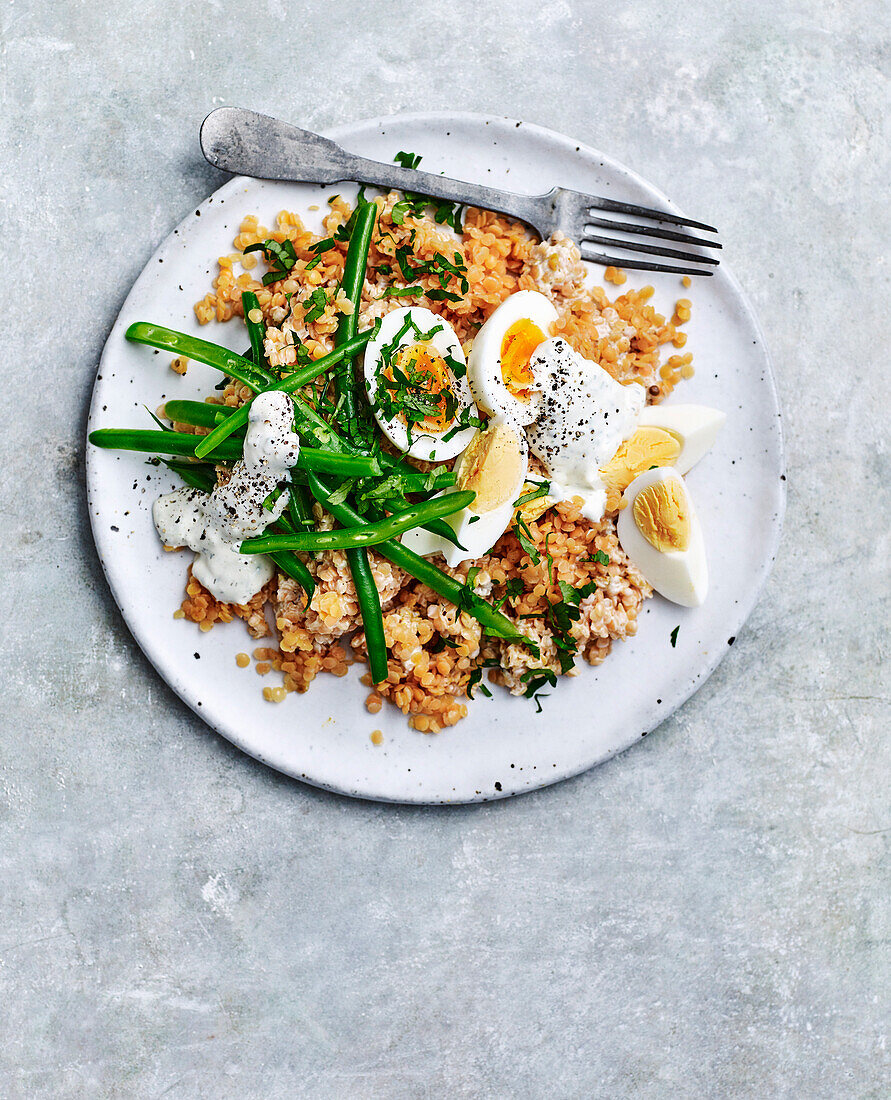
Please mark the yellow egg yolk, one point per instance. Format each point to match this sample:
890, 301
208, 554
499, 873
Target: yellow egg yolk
428, 373
517, 347
647, 447
660, 512
490, 467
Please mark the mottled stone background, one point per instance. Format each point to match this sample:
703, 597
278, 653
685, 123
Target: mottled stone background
703, 917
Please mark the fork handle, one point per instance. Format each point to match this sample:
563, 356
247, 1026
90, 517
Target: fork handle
251, 144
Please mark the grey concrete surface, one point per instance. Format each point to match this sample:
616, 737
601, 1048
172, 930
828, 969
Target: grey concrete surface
703, 917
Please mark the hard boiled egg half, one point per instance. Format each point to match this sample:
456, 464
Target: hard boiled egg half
416, 378
494, 467
661, 535
499, 370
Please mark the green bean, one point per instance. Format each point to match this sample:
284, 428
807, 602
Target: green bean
163, 443
288, 562
288, 385
367, 535
351, 283
294, 567
372, 617
300, 507
198, 475
310, 423
202, 351
459, 594
331, 462
197, 413
249, 301
182, 443
418, 482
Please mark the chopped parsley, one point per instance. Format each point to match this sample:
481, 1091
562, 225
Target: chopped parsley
440, 267
281, 257
407, 160
535, 679
544, 487
524, 537
674, 636
402, 291
476, 681
414, 203
314, 306
319, 248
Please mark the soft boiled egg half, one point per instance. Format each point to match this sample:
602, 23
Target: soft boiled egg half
494, 467
661, 535
416, 377
499, 366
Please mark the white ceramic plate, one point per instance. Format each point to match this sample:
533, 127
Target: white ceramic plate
503, 747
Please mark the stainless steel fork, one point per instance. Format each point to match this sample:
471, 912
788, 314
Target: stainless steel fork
250, 144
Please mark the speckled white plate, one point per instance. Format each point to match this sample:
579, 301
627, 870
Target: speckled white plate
503, 747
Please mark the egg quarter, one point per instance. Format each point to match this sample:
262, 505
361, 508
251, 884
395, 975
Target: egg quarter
661, 535
694, 427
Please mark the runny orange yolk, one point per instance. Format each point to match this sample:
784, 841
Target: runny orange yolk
517, 347
432, 376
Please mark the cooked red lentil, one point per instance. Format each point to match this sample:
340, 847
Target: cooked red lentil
436, 651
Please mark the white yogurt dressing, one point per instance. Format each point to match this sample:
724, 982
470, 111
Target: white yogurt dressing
583, 416
215, 524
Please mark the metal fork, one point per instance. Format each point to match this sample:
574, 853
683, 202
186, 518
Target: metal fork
250, 144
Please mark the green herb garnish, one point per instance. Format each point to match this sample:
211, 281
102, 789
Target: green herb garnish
281, 257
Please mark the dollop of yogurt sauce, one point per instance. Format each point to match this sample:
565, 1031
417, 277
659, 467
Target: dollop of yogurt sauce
583, 417
215, 524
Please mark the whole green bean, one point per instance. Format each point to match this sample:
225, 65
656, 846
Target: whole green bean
351, 283
202, 351
182, 443
288, 385
493, 621
300, 507
367, 535
162, 443
353, 279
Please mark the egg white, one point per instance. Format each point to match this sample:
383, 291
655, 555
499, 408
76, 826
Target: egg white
679, 575
424, 444
476, 533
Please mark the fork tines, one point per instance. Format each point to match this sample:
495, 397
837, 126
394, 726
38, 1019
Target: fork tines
638, 229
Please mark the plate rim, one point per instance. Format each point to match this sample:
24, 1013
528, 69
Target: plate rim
688, 686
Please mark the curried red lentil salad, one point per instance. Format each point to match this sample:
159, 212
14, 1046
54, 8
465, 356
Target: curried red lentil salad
442, 455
